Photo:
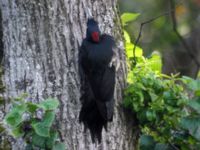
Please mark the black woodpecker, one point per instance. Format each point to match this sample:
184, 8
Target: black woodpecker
97, 67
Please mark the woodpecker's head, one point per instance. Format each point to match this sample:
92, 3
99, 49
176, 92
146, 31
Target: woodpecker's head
93, 31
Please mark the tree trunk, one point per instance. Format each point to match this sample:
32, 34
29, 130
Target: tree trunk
40, 57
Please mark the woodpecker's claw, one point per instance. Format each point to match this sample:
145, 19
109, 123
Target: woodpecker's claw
115, 62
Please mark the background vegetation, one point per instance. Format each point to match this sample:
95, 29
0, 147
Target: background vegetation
166, 107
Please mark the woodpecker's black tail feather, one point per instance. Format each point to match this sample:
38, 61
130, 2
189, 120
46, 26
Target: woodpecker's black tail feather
92, 119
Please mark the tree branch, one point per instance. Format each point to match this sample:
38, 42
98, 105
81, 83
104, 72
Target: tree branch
140, 31
184, 43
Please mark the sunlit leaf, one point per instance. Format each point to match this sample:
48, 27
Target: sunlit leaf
130, 53
155, 62
128, 17
130, 77
127, 37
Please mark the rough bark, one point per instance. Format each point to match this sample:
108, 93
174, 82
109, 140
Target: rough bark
40, 44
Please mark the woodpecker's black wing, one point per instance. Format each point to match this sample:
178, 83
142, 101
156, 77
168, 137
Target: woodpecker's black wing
89, 114
99, 76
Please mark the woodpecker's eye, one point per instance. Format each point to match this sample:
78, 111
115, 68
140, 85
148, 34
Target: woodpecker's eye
95, 36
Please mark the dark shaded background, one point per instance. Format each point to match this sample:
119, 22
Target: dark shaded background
159, 35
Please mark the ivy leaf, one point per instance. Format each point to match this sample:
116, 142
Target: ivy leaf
38, 141
49, 104
59, 146
48, 118
41, 129
14, 117
17, 132
31, 107
51, 140
128, 17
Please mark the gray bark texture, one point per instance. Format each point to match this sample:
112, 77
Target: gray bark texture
40, 40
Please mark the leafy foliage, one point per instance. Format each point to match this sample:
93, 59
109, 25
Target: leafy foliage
128, 17
34, 123
167, 107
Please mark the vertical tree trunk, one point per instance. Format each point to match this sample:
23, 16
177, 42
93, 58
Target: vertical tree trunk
40, 45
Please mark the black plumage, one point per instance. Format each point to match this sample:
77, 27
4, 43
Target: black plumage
97, 80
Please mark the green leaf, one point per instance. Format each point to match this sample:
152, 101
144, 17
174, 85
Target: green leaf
129, 50
197, 93
59, 146
49, 104
127, 37
155, 61
128, 17
31, 107
151, 115
38, 141
195, 85
14, 117
161, 146
130, 77
195, 104
17, 132
41, 129
51, 140
48, 118
146, 142
192, 124
153, 96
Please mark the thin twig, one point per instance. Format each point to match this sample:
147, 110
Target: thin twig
184, 43
140, 31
